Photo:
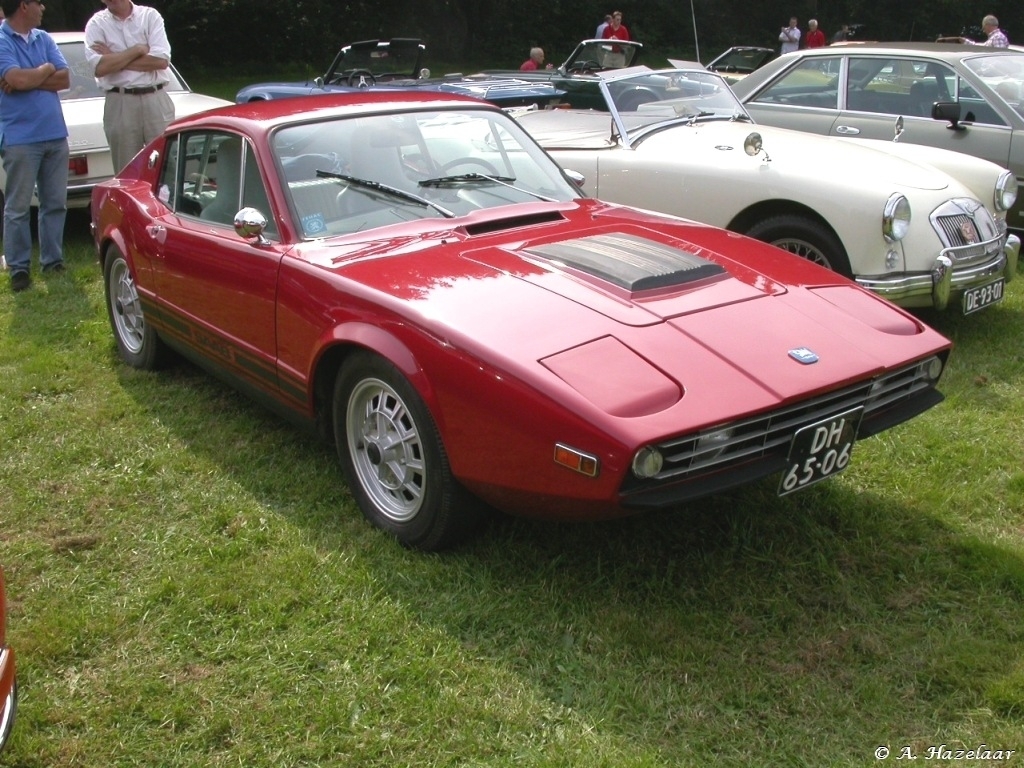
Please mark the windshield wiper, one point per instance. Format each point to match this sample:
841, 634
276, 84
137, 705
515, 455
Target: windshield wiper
464, 177
505, 181
393, 191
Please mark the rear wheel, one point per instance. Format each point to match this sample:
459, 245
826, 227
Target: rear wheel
137, 343
805, 238
393, 457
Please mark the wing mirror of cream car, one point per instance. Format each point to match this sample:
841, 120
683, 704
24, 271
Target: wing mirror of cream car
897, 129
753, 145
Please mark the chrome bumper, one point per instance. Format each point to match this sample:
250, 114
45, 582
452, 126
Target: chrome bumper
944, 279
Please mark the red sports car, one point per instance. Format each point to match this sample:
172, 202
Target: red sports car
413, 276
8, 683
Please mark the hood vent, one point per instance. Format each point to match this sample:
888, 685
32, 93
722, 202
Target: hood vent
634, 263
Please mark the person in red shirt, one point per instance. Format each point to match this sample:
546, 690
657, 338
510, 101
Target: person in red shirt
535, 61
815, 37
615, 30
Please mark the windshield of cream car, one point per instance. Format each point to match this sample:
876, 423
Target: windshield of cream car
1004, 75
657, 96
352, 174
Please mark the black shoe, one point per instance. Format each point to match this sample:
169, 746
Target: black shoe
20, 281
54, 269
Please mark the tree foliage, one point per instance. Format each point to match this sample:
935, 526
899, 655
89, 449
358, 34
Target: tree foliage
267, 34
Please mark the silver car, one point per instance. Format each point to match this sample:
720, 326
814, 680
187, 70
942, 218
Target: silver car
967, 98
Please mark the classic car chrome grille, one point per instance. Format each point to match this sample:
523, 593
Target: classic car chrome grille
765, 434
968, 231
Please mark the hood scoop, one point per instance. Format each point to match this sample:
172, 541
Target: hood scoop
630, 262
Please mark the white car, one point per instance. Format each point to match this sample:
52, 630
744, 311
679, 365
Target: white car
917, 225
82, 103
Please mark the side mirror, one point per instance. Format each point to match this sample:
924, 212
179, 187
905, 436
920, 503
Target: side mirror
577, 178
250, 224
948, 111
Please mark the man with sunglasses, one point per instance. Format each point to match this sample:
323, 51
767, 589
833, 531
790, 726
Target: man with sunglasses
34, 144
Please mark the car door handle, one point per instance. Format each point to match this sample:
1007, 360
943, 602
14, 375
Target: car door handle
157, 232
847, 130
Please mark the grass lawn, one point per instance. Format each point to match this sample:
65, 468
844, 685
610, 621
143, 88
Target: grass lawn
191, 585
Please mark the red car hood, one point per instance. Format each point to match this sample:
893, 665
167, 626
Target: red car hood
631, 318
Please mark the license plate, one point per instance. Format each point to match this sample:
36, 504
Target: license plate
820, 450
983, 296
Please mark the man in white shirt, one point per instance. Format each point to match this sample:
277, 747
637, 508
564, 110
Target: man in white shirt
790, 37
127, 46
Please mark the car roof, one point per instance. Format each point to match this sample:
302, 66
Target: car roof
952, 50
68, 37
266, 115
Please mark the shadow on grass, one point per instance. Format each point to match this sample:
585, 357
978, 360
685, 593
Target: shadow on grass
742, 619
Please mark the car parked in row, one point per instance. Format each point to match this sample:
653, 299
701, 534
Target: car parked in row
416, 279
398, 64
966, 98
919, 226
577, 77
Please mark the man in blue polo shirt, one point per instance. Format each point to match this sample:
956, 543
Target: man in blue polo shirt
34, 141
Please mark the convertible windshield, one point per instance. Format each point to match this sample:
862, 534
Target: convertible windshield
656, 96
354, 174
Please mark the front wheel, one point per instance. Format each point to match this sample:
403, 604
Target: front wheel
805, 238
137, 343
393, 457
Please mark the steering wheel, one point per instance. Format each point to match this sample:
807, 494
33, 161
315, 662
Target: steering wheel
584, 66
491, 170
362, 77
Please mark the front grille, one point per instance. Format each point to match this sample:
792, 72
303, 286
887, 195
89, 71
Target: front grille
968, 231
770, 433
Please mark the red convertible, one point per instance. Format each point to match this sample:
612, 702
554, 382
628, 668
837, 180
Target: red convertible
412, 276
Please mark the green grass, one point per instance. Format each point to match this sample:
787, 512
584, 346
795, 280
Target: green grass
190, 584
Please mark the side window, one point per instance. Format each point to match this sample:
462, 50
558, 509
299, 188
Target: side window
212, 176
974, 108
811, 83
896, 86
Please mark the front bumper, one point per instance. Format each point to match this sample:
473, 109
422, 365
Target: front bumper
946, 278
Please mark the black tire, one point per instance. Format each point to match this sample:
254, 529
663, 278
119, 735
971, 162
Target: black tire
805, 238
393, 458
137, 343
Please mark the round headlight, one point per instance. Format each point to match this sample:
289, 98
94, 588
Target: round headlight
647, 462
896, 218
1006, 191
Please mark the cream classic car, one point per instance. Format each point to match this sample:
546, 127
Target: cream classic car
919, 226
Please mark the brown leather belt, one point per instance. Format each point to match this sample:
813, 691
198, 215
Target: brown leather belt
142, 91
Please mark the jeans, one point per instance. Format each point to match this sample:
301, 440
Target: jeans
44, 165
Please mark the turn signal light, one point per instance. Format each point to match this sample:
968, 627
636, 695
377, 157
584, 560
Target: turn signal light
575, 460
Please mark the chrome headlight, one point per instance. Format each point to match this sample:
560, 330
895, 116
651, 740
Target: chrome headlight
1006, 191
896, 218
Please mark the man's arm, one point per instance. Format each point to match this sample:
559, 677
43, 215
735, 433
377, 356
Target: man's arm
18, 79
